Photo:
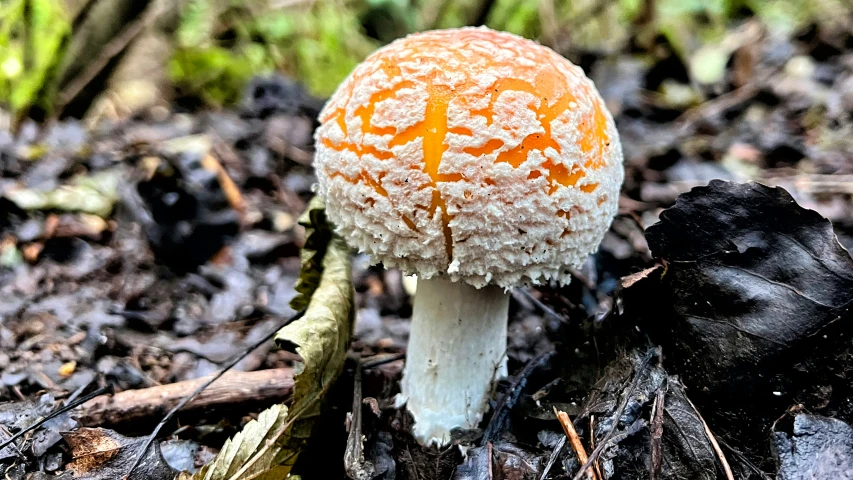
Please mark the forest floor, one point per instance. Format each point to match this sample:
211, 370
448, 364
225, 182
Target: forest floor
145, 254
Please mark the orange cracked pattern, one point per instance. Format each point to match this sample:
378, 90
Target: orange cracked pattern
465, 67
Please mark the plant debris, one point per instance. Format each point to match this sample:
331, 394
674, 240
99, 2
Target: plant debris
144, 248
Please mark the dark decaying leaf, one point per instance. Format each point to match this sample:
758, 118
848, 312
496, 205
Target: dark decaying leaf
187, 203
16, 416
750, 273
752, 309
687, 453
9, 451
102, 454
51, 432
814, 447
508, 461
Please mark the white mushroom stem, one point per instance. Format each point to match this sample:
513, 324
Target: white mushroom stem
457, 350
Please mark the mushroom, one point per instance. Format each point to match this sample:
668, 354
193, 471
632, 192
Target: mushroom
479, 161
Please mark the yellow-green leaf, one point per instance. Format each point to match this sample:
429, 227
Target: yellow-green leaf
321, 338
257, 439
95, 194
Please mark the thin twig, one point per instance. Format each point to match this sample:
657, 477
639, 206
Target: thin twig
354, 453
657, 433
82, 15
574, 439
491, 475
596, 466
726, 468
619, 411
59, 411
201, 387
745, 461
815, 183
5, 431
479, 14
553, 458
541, 305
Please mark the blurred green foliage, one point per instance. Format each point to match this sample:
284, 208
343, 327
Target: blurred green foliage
222, 44
33, 37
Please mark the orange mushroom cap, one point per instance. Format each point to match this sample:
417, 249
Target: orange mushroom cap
472, 153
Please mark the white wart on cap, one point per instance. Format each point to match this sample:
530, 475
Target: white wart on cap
472, 154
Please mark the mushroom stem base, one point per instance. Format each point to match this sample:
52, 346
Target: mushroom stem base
457, 350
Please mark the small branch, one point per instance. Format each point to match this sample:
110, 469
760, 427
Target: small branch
596, 465
574, 440
815, 183
553, 458
508, 401
381, 360
540, 305
354, 453
491, 453
745, 461
481, 12
264, 386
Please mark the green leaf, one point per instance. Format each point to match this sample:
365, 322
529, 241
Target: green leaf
268, 447
197, 23
33, 37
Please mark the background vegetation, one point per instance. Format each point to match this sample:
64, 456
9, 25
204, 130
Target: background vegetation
58, 56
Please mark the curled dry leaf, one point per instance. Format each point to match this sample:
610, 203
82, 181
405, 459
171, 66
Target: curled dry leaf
268, 447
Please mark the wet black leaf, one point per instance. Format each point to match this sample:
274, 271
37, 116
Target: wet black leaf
276, 94
50, 433
750, 273
753, 284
